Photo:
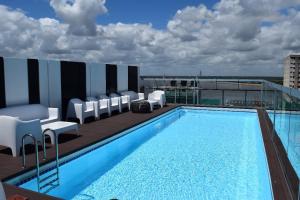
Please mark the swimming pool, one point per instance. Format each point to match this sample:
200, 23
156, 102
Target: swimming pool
185, 154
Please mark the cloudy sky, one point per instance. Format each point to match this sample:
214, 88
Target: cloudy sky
227, 37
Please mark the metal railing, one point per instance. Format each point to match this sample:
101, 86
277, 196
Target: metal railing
247, 93
49, 182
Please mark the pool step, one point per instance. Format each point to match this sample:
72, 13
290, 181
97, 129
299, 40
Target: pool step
49, 182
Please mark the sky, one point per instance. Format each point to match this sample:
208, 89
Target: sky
182, 37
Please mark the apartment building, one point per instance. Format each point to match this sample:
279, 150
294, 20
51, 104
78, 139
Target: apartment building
291, 76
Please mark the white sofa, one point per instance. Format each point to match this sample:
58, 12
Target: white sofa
80, 110
123, 100
158, 95
13, 129
101, 106
32, 111
114, 103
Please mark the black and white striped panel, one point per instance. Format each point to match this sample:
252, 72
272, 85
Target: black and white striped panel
122, 78
111, 78
133, 76
16, 81
19, 81
73, 83
33, 81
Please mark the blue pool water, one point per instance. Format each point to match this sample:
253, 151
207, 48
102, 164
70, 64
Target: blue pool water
187, 154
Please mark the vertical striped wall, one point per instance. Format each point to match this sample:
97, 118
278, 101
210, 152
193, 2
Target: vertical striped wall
52, 83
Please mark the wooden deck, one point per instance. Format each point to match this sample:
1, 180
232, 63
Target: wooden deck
96, 131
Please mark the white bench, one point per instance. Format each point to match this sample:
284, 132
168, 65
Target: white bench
31, 112
17, 121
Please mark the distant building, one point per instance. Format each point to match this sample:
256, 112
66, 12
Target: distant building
291, 76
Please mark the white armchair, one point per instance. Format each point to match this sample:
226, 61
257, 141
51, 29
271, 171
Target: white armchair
2, 193
12, 130
53, 116
158, 95
80, 110
101, 106
114, 103
124, 100
134, 96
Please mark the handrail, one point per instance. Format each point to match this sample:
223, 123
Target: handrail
50, 183
36, 156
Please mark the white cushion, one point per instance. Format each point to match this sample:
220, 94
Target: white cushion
26, 112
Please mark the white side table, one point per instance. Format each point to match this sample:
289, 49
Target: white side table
54, 129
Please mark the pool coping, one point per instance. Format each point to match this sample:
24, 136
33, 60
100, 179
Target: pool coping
285, 186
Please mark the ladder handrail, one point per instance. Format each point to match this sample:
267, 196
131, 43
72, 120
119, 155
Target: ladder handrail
56, 161
36, 156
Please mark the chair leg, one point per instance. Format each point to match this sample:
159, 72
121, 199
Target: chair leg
14, 151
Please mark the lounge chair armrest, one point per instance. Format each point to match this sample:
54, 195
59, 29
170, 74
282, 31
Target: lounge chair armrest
78, 109
103, 102
90, 105
151, 96
33, 127
54, 113
125, 98
141, 96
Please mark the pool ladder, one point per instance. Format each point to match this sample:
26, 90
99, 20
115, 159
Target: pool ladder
51, 181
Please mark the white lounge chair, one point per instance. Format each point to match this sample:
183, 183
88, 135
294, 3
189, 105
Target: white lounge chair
101, 106
123, 100
158, 95
80, 110
114, 103
133, 96
2, 193
13, 129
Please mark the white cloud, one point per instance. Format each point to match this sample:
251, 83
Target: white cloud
80, 15
229, 39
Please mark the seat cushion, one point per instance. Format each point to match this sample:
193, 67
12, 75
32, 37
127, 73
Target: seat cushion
26, 112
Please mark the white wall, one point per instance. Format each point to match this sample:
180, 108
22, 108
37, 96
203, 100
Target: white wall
96, 79
16, 81
122, 71
44, 82
54, 84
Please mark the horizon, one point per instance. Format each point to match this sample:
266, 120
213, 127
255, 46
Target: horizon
220, 38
